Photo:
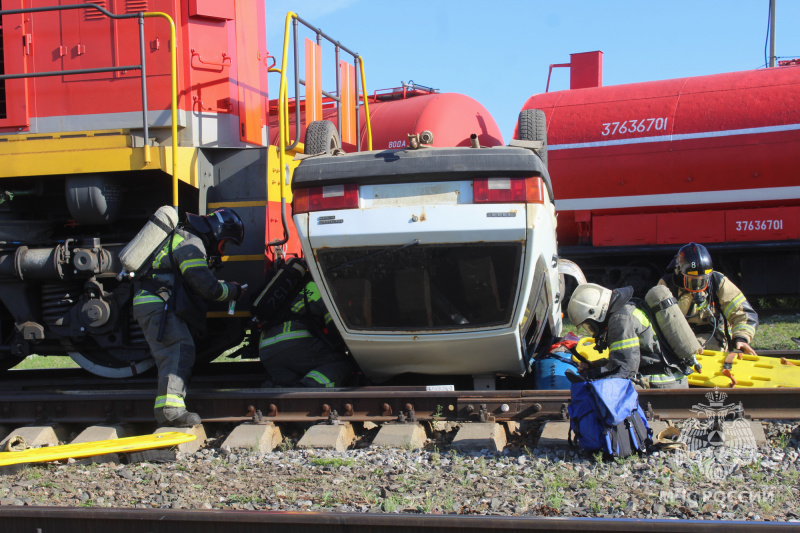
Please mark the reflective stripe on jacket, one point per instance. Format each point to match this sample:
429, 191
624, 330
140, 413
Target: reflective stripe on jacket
632, 346
732, 304
295, 328
190, 254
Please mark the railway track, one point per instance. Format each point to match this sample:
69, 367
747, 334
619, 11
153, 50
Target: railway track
43, 519
82, 400
29, 397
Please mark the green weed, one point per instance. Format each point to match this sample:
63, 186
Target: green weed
32, 473
333, 462
392, 503
427, 504
555, 499
327, 499
368, 494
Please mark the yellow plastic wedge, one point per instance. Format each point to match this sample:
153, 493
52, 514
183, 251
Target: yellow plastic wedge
756, 371
100, 447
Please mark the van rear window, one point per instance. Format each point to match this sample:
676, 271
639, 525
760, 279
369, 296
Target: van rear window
419, 287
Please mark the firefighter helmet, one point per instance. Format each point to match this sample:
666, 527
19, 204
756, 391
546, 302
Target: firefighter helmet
693, 267
588, 306
218, 227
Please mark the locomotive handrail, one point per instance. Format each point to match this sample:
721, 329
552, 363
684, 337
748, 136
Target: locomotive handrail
173, 72
283, 106
142, 68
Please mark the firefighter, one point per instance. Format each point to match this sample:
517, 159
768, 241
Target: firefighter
303, 348
717, 311
618, 324
170, 303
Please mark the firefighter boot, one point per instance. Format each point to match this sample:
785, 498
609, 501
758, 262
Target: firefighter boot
180, 418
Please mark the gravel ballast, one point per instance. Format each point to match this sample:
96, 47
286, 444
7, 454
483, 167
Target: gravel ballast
517, 481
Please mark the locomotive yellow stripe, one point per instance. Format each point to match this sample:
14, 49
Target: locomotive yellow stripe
226, 258
87, 152
216, 205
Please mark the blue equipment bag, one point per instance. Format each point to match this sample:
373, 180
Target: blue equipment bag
549, 371
605, 415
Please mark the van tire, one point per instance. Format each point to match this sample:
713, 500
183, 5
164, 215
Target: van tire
321, 138
532, 126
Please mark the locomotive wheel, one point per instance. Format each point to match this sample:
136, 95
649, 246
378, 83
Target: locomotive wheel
532, 126
102, 362
321, 138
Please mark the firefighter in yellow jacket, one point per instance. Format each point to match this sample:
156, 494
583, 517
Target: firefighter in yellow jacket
717, 311
302, 350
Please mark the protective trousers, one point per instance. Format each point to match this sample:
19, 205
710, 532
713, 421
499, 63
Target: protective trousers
174, 355
712, 341
668, 381
305, 362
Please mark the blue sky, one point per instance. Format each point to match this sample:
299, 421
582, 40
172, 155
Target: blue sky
499, 52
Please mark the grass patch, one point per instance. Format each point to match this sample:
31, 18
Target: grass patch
775, 332
35, 362
333, 462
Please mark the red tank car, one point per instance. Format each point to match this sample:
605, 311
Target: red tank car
452, 118
640, 169
395, 113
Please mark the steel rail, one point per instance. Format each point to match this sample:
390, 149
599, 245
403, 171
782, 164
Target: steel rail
377, 404
75, 520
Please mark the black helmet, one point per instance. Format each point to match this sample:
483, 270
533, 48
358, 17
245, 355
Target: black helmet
693, 267
218, 227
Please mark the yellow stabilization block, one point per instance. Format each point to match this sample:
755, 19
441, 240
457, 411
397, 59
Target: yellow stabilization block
100, 447
746, 370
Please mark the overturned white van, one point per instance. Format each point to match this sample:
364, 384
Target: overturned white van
435, 261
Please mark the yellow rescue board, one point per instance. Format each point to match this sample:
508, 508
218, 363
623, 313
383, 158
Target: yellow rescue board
755, 371
751, 371
100, 447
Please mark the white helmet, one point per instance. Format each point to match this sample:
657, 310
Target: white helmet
589, 301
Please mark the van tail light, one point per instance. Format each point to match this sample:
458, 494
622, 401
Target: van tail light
325, 198
508, 190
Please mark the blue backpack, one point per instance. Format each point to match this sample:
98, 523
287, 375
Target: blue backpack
605, 415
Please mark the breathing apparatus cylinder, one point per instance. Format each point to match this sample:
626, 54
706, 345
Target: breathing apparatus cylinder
672, 324
136, 252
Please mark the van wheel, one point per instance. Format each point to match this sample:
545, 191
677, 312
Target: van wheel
532, 126
321, 138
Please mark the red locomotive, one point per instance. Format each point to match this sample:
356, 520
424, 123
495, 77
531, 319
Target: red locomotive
640, 169
111, 109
